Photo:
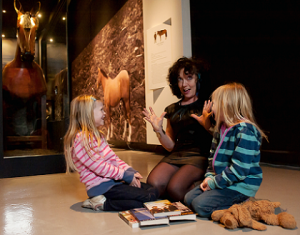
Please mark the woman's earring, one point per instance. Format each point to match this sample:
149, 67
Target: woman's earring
198, 82
199, 77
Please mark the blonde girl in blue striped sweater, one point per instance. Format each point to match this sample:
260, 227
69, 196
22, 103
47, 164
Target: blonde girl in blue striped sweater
233, 174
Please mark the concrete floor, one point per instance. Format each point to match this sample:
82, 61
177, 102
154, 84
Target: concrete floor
51, 204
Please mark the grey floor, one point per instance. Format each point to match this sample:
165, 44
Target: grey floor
51, 204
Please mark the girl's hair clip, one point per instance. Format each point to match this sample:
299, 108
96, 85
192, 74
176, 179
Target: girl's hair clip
93, 98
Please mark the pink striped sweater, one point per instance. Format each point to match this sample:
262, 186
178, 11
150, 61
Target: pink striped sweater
104, 166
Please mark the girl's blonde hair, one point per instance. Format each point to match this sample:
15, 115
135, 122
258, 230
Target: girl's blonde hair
81, 120
235, 104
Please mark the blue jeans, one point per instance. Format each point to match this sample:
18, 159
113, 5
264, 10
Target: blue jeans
124, 197
205, 203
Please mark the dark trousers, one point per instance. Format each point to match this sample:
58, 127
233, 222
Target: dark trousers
124, 197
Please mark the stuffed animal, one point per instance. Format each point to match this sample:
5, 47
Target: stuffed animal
249, 213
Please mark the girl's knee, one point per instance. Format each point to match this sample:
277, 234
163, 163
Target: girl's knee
202, 210
191, 195
153, 194
188, 198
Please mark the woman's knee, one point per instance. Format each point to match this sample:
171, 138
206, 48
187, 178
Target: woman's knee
152, 181
177, 191
155, 183
175, 195
158, 186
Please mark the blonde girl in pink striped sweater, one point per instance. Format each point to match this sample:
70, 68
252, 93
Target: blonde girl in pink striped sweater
111, 184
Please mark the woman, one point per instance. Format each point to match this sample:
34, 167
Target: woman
187, 141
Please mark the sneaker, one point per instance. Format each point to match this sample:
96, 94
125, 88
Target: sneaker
95, 203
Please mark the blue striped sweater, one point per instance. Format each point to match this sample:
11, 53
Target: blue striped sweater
234, 159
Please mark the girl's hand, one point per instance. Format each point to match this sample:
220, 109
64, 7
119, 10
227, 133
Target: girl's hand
155, 121
135, 183
136, 180
204, 185
206, 113
138, 175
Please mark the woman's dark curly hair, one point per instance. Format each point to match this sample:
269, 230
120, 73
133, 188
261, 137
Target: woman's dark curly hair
191, 66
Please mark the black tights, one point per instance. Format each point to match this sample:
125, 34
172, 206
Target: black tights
174, 182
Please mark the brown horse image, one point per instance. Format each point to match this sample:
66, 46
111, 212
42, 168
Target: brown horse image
114, 90
23, 83
162, 32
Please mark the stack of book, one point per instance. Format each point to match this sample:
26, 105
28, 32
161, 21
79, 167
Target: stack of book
157, 213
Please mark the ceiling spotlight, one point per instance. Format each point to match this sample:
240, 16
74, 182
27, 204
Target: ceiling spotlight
40, 15
4, 11
64, 18
51, 40
3, 35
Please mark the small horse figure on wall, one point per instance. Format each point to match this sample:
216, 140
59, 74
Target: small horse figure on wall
114, 90
162, 32
23, 82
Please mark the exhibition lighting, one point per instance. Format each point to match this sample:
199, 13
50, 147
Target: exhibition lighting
3, 35
4, 11
39, 15
51, 40
64, 18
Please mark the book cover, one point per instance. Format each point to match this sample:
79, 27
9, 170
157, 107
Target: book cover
186, 213
145, 218
162, 208
129, 219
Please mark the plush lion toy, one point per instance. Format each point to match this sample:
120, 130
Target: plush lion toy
249, 213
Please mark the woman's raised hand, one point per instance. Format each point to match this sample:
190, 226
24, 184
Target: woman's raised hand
206, 113
155, 121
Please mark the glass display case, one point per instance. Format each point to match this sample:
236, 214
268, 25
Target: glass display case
35, 93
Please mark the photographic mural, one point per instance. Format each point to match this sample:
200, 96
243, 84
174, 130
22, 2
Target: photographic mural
111, 68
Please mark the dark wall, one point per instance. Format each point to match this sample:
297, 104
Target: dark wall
256, 43
86, 19
1, 106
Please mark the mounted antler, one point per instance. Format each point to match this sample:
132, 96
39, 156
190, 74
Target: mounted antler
38, 9
16, 6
